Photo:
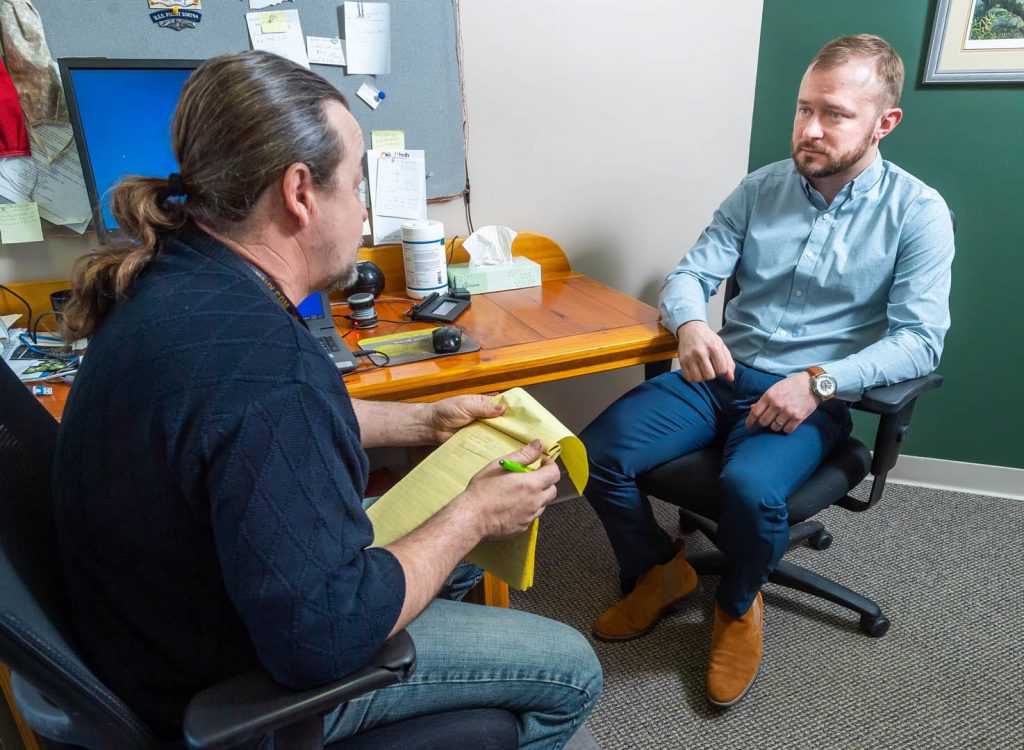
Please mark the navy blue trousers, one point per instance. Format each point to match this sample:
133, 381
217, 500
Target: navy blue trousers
665, 418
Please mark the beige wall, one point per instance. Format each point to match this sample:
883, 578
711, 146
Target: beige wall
613, 127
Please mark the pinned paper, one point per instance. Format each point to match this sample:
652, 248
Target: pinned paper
368, 37
371, 95
401, 189
395, 188
19, 222
273, 22
387, 140
325, 50
362, 199
52, 177
288, 42
260, 4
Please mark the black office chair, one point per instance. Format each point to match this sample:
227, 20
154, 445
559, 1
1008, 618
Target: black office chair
691, 482
64, 701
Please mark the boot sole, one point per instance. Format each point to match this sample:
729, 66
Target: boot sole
670, 609
738, 698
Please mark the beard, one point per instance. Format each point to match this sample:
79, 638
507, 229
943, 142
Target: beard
834, 164
327, 254
343, 280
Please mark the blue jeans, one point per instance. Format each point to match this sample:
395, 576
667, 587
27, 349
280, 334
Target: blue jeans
469, 656
665, 418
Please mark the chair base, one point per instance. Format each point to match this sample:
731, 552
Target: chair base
872, 621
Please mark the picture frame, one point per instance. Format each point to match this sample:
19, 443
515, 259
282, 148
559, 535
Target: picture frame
977, 41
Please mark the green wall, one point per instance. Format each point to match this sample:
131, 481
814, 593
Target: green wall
967, 141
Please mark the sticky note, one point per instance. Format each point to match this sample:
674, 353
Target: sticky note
19, 222
387, 140
273, 23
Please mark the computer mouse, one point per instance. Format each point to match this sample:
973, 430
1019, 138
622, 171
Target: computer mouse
447, 339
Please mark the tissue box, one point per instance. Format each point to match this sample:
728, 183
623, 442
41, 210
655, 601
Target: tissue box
521, 272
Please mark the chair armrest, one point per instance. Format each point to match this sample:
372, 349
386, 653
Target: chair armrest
889, 399
895, 405
251, 706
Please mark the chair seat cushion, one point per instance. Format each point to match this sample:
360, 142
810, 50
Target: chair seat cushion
691, 481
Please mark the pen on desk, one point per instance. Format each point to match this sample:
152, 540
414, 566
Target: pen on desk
508, 465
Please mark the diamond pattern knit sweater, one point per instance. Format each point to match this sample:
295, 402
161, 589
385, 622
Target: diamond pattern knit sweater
208, 485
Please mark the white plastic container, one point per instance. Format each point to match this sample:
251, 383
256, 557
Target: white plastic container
423, 252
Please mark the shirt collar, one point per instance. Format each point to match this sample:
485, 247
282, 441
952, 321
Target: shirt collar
859, 184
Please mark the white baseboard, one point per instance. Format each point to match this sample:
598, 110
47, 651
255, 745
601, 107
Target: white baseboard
982, 479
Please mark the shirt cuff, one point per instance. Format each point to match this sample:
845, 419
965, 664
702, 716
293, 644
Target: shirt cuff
676, 318
849, 385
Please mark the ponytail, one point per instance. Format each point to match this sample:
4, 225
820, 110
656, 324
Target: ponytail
143, 210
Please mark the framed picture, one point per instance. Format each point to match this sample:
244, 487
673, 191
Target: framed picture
977, 41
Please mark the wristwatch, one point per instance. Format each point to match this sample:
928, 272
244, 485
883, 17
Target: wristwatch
823, 385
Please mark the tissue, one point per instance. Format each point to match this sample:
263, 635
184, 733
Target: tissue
492, 267
490, 246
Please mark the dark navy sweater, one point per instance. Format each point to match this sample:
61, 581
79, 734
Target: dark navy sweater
208, 486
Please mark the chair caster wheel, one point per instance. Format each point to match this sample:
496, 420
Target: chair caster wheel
876, 626
821, 540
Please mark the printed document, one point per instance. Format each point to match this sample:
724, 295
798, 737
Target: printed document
51, 177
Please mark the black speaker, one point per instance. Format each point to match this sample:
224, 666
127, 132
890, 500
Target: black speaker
369, 279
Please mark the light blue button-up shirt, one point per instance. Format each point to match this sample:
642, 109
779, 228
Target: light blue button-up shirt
859, 287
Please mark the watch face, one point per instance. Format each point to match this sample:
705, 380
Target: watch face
825, 386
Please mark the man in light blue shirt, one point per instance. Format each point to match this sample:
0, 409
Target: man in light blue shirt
843, 265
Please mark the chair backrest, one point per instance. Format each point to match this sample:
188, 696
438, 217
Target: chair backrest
68, 703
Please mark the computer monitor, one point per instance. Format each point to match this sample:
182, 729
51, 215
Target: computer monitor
121, 112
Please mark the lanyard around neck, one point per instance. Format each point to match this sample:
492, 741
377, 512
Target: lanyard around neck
286, 303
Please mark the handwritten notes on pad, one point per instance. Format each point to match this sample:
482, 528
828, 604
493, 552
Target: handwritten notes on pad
445, 473
398, 191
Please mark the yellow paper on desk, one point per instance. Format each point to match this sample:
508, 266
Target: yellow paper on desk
441, 476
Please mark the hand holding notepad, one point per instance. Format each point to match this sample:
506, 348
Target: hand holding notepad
446, 472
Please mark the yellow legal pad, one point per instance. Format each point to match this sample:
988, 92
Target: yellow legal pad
445, 473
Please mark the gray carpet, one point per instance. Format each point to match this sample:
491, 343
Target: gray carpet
946, 568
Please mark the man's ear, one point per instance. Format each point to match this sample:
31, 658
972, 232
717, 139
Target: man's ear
887, 122
299, 194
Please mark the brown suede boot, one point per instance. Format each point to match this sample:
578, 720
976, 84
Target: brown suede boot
656, 592
735, 654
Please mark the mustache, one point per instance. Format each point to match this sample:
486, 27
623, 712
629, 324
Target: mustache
809, 147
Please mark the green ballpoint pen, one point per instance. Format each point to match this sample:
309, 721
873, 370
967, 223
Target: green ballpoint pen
508, 465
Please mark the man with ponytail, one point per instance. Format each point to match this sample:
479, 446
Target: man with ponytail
211, 465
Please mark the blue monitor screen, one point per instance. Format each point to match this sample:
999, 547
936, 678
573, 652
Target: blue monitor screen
125, 117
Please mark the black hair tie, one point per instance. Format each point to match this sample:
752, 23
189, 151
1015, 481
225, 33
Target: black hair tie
175, 185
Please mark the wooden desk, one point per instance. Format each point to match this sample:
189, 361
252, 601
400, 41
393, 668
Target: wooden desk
570, 325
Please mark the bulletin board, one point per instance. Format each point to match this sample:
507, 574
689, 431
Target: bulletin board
424, 88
